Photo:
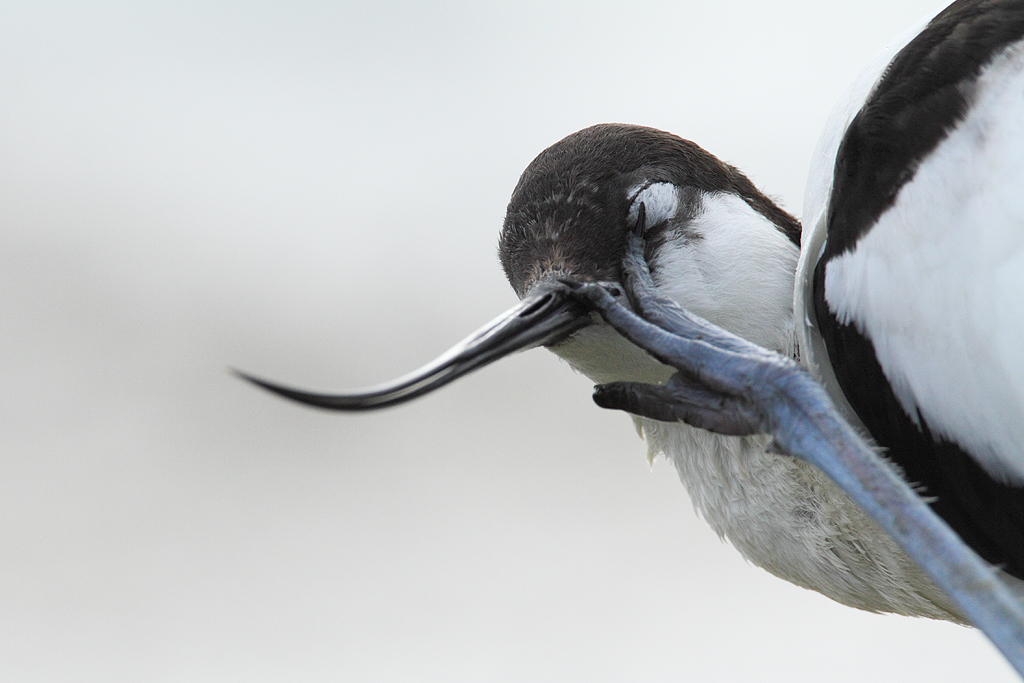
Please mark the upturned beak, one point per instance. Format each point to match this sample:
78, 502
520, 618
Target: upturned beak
545, 315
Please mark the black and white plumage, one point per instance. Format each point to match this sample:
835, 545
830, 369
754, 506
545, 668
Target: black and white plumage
916, 288
907, 279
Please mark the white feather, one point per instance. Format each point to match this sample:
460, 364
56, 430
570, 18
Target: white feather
736, 271
938, 282
660, 200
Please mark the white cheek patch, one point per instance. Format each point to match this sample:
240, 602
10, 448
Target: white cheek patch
660, 200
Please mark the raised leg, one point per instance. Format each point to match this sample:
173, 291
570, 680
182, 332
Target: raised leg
731, 386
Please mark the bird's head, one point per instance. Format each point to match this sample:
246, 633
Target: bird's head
715, 244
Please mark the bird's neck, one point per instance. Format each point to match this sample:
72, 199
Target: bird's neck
780, 513
736, 271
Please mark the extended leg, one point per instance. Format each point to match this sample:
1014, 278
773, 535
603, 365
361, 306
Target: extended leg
761, 391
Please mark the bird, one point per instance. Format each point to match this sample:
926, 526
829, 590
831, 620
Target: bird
900, 293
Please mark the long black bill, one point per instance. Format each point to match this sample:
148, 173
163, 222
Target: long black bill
545, 315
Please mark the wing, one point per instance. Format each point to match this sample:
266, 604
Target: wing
914, 278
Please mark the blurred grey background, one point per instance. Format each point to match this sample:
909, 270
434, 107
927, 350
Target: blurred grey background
312, 191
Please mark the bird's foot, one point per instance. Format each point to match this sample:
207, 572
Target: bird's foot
721, 378
683, 399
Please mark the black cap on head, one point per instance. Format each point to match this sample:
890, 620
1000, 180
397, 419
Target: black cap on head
568, 213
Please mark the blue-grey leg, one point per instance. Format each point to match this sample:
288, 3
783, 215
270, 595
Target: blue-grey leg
754, 390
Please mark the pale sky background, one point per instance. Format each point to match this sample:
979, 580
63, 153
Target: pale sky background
313, 192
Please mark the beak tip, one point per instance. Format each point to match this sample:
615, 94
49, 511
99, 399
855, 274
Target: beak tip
247, 377
545, 316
